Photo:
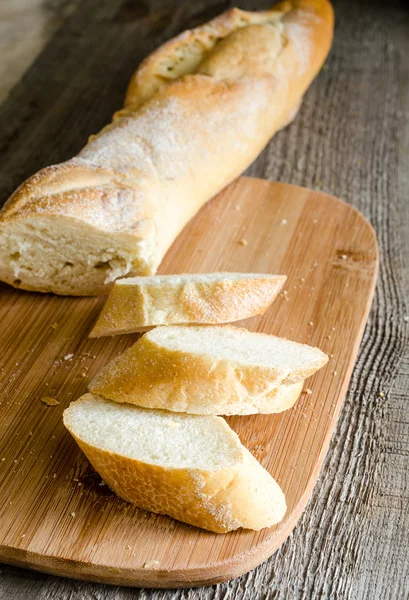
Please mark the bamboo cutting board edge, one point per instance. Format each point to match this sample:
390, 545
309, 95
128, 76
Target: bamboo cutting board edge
248, 559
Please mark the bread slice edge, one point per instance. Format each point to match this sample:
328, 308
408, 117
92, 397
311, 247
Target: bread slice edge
242, 495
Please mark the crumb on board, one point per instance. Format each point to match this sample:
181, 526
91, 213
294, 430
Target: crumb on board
381, 394
54, 325
308, 391
49, 401
343, 257
73, 514
150, 563
68, 356
310, 323
243, 242
284, 221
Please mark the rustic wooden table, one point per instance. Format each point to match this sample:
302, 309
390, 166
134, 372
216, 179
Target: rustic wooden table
351, 138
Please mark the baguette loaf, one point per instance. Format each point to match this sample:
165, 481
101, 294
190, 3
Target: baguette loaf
209, 370
139, 303
198, 111
188, 467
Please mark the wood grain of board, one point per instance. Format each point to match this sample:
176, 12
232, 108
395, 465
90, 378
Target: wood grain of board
56, 516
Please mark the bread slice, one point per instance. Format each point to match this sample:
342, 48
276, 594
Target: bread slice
214, 369
139, 303
192, 468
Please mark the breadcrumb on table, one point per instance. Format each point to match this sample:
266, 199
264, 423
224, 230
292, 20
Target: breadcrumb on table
49, 401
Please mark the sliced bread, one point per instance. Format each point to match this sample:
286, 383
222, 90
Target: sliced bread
139, 303
193, 468
214, 369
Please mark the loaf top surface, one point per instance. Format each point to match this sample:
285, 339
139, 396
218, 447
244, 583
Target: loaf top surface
196, 64
255, 40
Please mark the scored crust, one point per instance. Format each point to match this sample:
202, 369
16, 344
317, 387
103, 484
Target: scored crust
184, 53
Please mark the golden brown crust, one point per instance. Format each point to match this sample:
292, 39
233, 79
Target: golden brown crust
241, 495
135, 305
183, 54
243, 80
153, 376
250, 499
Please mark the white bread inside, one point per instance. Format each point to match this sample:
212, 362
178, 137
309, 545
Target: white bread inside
209, 370
190, 467
139, 303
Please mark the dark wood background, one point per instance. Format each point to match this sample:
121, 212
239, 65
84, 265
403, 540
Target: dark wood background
351, 138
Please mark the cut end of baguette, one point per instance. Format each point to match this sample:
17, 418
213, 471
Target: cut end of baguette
71, 259
140, 303
189, 467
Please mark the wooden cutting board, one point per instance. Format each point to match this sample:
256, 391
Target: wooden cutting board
56, 515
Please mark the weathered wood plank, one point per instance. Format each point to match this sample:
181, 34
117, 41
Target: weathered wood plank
350, 138
25, 27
